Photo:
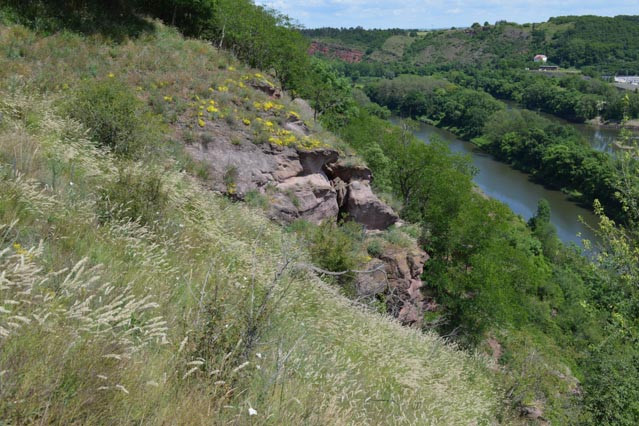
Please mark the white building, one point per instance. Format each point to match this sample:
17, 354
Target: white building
627, 79
540, 58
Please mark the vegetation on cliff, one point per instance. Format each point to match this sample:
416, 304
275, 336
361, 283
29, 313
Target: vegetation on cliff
157, 300
132, 293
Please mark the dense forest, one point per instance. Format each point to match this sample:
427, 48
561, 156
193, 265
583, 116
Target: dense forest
566, 320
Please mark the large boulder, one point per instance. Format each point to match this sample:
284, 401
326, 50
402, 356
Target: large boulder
316, 160
347, 172
364, 207
310, 197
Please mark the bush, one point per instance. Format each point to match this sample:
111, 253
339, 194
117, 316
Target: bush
375, 248
135, 196
333, 247
116, 119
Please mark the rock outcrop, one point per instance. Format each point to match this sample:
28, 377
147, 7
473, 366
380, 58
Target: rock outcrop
336, 51
364, 207
347, 172
311, 197
314, 185
396, 278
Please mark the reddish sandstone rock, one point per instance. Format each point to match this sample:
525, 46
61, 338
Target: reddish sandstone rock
310, 197
364, 207
335, 51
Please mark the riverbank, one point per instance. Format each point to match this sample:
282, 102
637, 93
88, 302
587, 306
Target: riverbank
632, 125
498, 180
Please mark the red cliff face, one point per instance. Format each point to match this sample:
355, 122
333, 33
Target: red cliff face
334, 51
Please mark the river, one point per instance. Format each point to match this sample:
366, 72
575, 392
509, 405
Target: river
599, 138
500, 181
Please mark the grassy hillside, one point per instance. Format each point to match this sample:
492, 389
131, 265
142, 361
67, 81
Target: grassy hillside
129, 293
598, 44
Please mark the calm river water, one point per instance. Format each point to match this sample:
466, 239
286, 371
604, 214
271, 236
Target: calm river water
600, 138
513, 188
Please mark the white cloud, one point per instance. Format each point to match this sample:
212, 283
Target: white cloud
439, 13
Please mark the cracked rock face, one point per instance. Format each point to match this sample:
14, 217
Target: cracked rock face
311, 197
398, 282
364, 207
317, 185
314, 185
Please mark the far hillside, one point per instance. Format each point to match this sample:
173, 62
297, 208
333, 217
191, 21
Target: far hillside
605, 45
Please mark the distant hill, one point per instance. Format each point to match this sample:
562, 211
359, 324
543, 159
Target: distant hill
603, 44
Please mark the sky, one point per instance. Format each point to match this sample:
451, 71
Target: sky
430, 14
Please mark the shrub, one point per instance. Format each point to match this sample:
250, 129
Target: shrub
335, 248
375, 248
135, 195
116, 119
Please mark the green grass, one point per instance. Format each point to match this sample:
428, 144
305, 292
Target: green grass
166, 304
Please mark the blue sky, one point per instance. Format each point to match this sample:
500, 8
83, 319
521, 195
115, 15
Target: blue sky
439, 13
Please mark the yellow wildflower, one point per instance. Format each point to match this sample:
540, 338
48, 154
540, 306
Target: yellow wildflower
201, 122
222, 88
246, 121
18, 248
212, 109
168, 98
231, 68
293, 114
110, 75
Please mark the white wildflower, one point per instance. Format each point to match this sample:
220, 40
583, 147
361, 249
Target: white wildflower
122, 388
252, 411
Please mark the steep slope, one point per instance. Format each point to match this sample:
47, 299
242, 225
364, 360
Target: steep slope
132, 293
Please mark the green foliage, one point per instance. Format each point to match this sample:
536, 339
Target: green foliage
375, 248
554, 155
137, 195
610, 44
354, 37
612, 396
333, 247
543, 230
329, 93
116, 119
113, 18
463, 111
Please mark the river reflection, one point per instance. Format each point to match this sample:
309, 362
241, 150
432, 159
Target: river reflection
600, 138
513, 188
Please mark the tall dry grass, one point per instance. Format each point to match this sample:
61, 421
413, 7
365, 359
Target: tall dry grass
196, 317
